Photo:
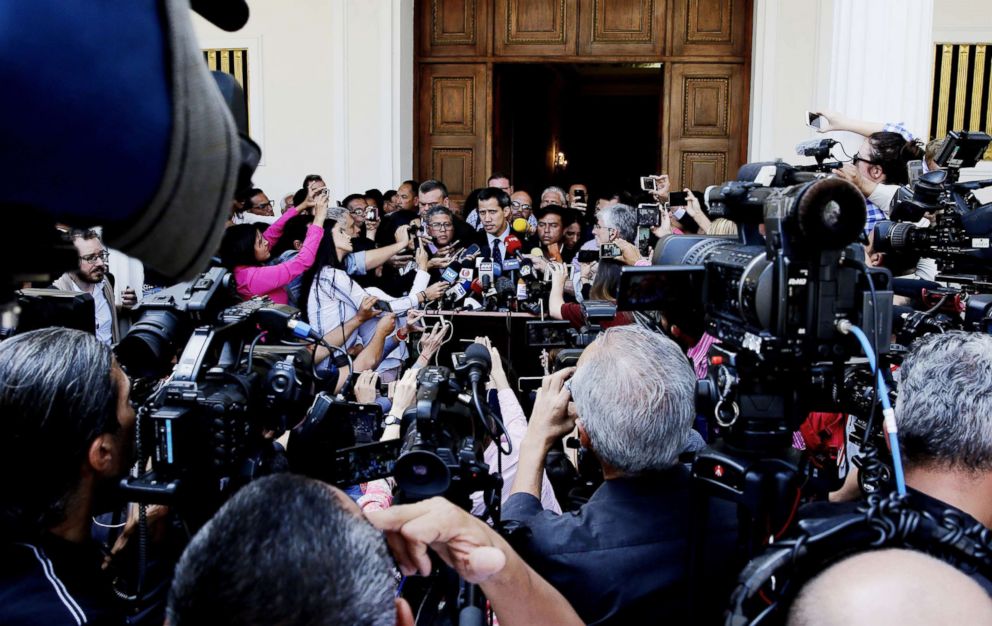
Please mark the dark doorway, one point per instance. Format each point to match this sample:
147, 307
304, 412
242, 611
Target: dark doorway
604, 118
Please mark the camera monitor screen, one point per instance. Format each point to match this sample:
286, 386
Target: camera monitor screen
549, 334
659, 287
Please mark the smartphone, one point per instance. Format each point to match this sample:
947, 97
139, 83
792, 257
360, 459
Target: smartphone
588, 256
644, 239
649, 183
553, 334
609, 251
815, 120
568, 272
579, 197
382, 306
470, 252
678, 198
648, 215
371, 215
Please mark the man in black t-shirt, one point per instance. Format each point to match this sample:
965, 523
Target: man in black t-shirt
68, 427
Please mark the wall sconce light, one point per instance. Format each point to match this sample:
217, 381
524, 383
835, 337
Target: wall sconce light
560, 161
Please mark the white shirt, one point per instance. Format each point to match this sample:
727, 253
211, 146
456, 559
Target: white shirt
104, 319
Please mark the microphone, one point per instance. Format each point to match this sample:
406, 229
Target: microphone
505, 288
478, 362
536, 252
477, 287
457, 292
520, 225
471, 304
450, 273
513, 245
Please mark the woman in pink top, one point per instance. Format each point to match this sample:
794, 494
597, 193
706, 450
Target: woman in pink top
244, 250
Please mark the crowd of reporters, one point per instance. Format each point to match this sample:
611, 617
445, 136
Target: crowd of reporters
288, 549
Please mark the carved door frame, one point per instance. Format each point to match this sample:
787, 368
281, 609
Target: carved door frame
704, 47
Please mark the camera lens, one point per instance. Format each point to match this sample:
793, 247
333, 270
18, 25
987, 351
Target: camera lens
147, 349
422, 474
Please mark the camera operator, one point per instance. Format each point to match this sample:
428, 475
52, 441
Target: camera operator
624, 554
879, 165
942, 412
291, 550
69, 428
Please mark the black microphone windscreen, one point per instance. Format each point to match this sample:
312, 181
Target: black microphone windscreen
478, 352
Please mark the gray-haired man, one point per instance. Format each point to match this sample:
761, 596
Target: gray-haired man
623, 554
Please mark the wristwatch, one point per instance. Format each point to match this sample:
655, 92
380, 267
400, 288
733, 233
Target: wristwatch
391, 420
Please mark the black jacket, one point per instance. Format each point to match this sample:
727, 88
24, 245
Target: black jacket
624, 555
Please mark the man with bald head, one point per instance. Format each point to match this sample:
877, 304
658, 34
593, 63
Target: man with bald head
891, 586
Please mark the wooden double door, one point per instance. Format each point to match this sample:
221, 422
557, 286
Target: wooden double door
702, 45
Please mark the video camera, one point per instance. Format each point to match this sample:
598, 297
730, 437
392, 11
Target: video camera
208, 427
774, 299
959, 235
440, 451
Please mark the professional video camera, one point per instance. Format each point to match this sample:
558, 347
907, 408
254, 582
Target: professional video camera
779, 302
959, 233
207, 428
440, 452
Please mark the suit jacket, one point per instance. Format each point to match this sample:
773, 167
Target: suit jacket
66, 283
625, 553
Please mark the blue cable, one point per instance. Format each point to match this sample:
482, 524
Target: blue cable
887, 412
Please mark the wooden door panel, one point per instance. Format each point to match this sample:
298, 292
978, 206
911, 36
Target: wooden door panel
454, 27
453, 136
534, 27
622, 27
705, 121
710, 27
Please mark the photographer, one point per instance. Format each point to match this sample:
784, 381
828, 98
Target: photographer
624, 554
616, 224
945, 398
69, 427
291, 550
245, 249
879, 165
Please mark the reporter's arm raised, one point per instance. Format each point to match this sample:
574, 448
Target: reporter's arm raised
478, 554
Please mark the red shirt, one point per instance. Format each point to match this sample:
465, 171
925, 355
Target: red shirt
573, 313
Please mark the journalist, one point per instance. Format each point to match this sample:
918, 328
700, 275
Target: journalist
69, 425
942, 411
290, 550
625, 553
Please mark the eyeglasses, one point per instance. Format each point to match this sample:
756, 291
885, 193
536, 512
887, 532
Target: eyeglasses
441, 225
857, 157
520, 205
265, 205
92, 258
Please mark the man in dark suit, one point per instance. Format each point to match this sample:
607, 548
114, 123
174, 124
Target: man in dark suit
494, 215
625, 554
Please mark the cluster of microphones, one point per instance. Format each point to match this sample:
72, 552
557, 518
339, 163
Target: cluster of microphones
488, 283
